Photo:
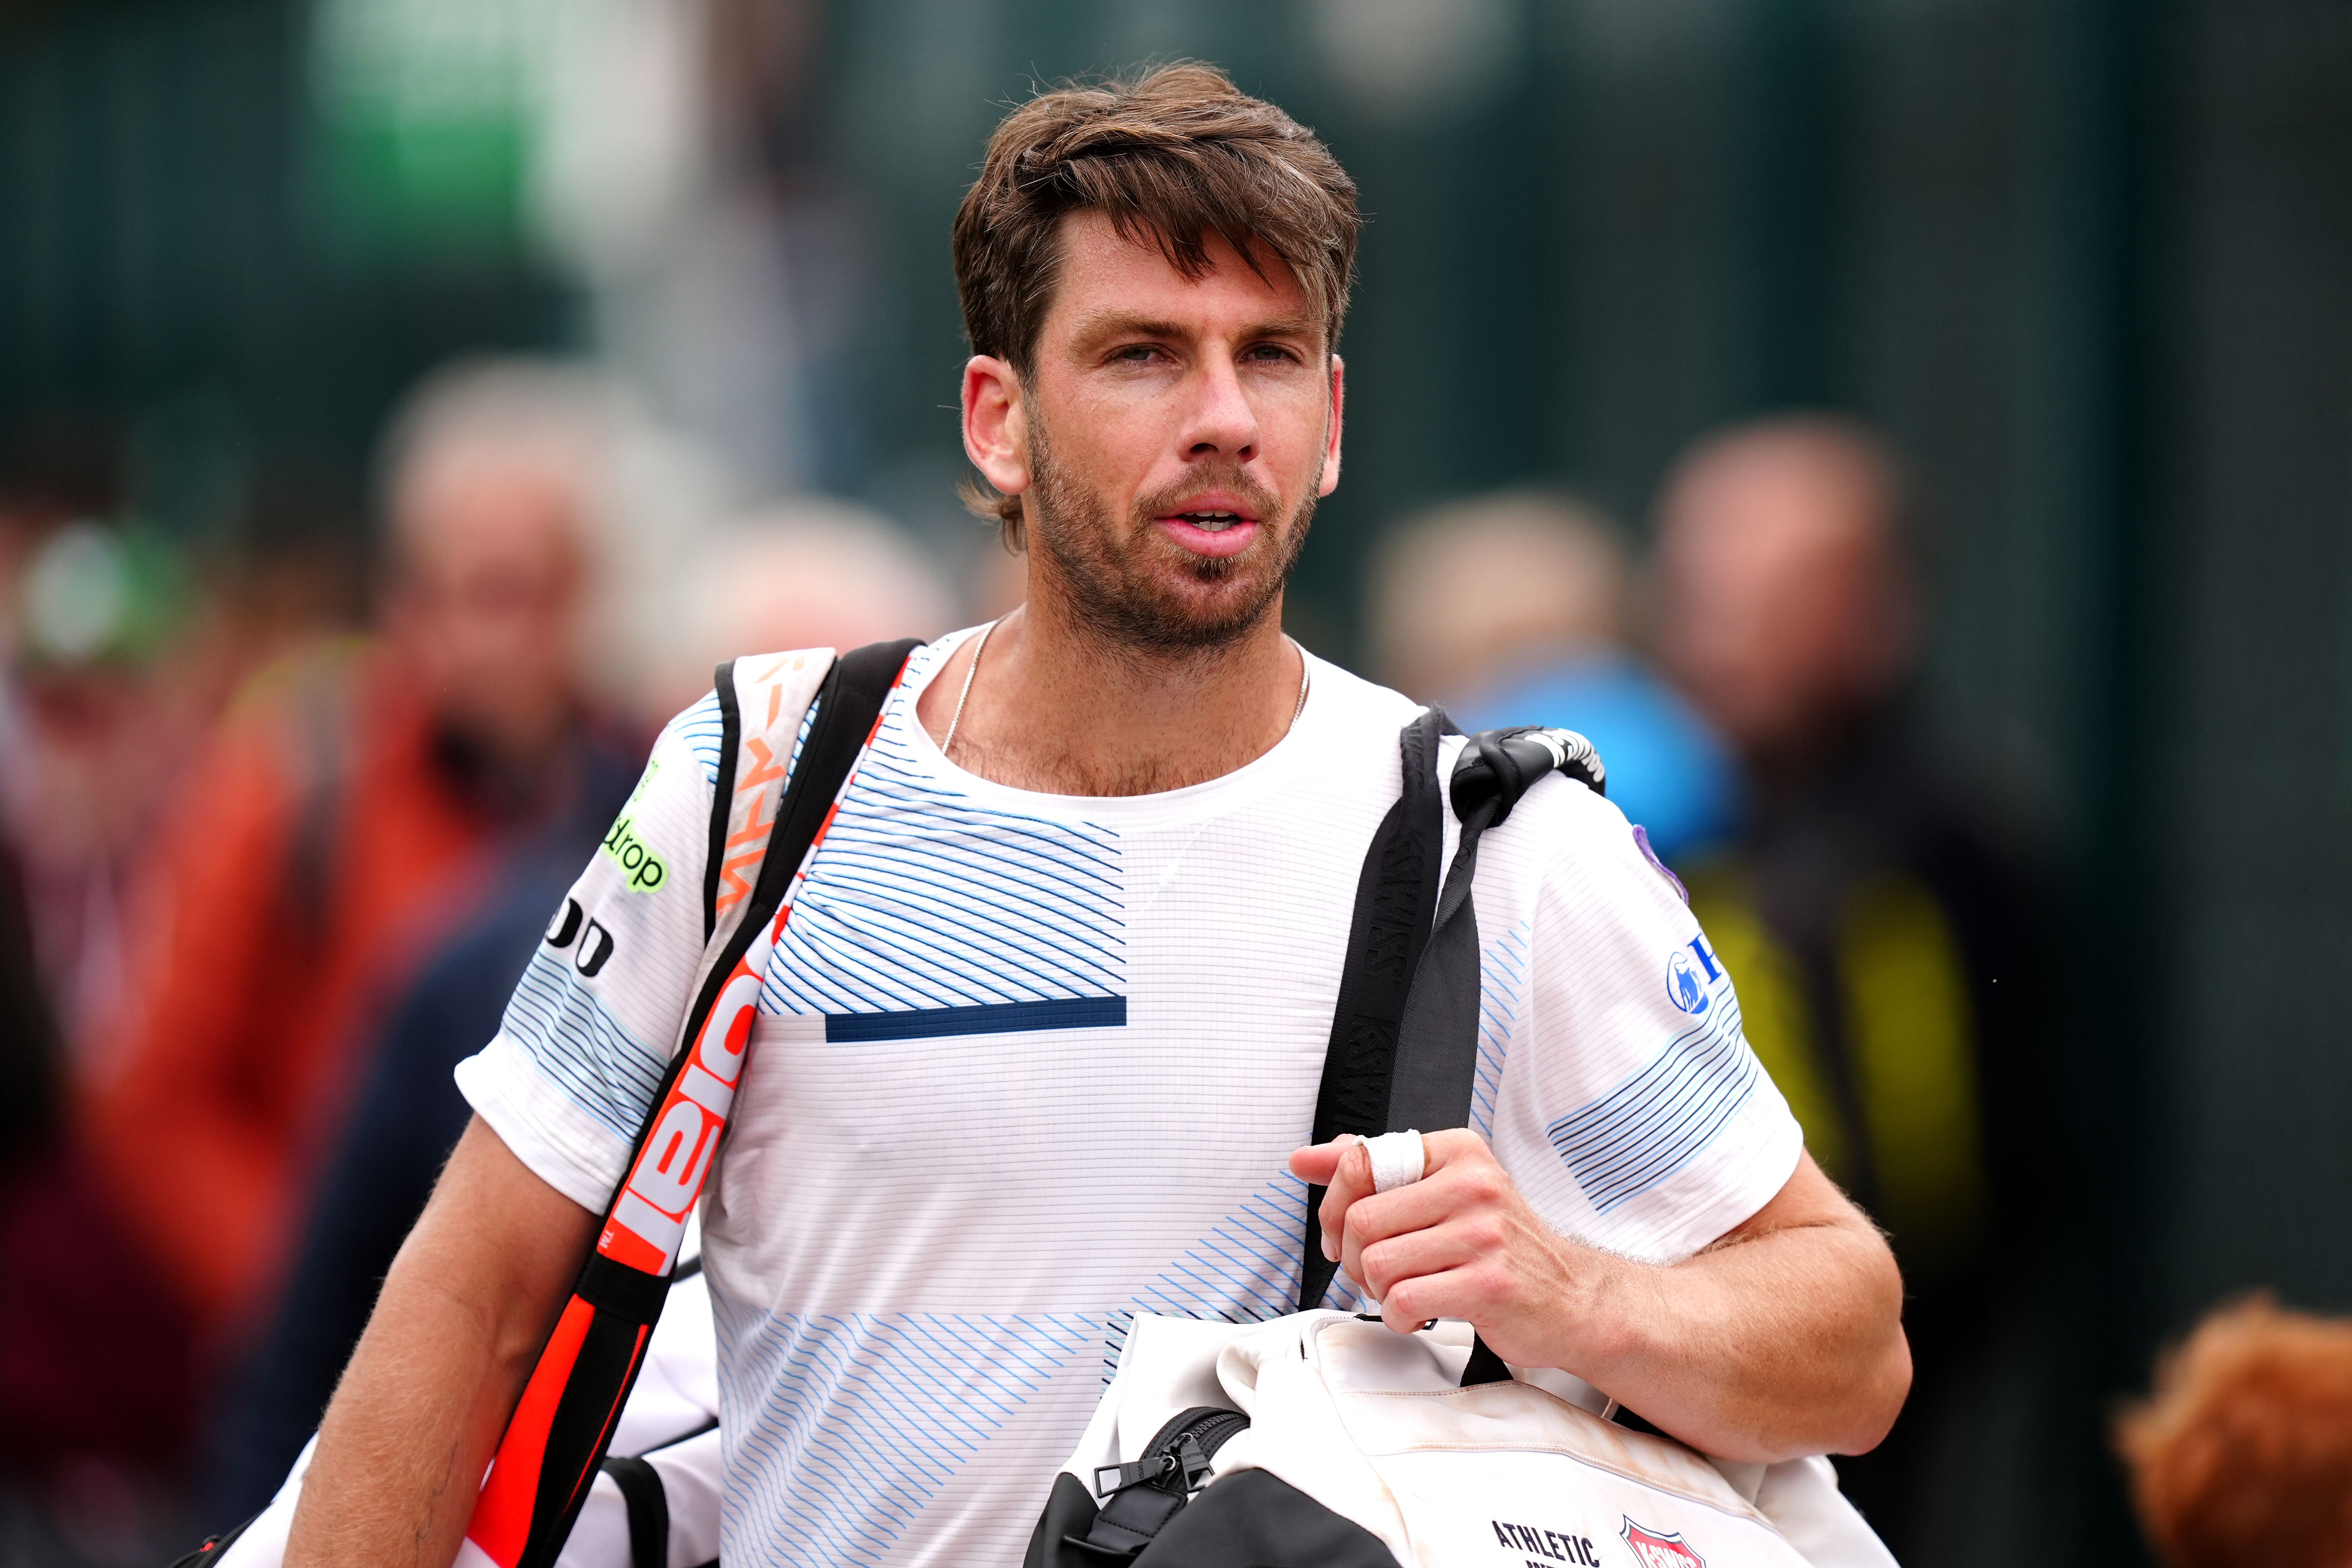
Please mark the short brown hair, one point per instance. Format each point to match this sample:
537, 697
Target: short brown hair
2244, 1453
1174, 154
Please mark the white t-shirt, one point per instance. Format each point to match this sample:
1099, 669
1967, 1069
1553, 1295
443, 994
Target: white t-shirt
1029, 1064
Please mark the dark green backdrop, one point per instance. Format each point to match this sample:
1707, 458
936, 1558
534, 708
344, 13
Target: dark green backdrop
2089, 261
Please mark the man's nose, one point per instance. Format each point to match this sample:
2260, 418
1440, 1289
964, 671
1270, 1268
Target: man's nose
1223, 421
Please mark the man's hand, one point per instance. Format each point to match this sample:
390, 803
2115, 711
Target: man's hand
1783, 1338
1459, 1242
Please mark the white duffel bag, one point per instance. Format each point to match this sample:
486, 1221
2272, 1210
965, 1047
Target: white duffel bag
1370, 1453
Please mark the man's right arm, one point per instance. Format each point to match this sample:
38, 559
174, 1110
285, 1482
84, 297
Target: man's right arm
456, 1331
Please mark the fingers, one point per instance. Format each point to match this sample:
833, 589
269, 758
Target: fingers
1350, 1181
1456, 1146
1460, 1170
1315, 1164
1464, 1291
1375, 1219
1386, 1267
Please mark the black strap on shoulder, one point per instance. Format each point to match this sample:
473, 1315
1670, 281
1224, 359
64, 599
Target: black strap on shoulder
1437, 1053
1404, 1035
722, 797
847, 704
624, 1301
1394, 895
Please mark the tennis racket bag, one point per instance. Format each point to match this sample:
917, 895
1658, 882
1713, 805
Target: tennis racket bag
1325, 1440
655, 1500
555, 1460
761, 834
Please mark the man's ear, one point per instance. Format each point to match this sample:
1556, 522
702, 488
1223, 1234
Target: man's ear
1331, 445
995, 423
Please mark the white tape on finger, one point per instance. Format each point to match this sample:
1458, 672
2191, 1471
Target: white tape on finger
1398, 1160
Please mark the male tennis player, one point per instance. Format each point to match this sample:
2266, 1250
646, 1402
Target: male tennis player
1040, 1040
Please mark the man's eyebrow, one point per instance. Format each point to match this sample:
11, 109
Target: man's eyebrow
1120, 324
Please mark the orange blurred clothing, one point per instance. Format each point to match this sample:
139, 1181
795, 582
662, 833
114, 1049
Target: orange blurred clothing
313, 854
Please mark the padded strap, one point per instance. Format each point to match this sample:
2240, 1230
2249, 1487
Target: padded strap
1394, 895
546, 1462
722, 793
1412, 1048
1437, 1047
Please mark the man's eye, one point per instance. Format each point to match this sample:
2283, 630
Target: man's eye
1273, 353
1138, 354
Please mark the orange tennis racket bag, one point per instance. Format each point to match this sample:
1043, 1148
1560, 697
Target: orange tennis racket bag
558, 1435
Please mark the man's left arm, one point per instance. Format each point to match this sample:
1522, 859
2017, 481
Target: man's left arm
1783, 1338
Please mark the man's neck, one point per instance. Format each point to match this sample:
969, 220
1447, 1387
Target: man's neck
1053, 709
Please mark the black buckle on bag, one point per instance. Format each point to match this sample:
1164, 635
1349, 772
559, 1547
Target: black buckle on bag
1186, 1467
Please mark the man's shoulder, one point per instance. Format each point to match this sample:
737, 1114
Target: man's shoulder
763, 697
1357, 703
1567, 839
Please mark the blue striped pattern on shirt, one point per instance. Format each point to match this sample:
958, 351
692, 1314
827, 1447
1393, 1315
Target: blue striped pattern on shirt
581, 1049
841, 1427
1651, 1125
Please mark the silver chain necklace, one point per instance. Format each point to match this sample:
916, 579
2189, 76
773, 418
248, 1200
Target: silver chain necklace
972, 669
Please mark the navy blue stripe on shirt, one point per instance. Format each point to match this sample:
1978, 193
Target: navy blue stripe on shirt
995, 1018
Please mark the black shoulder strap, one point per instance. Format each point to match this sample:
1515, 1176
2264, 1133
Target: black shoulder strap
1437, 1049
847, 705
722, 795
1404, 1035
591, 1379
1394, 895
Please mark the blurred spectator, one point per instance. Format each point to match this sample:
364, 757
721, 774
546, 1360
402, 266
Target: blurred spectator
1881, 940
813, 574
1512, 609
809, 573
2242, 1459
94, 1357
339, 821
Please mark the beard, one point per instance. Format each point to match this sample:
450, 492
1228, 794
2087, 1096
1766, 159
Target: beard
1138, 590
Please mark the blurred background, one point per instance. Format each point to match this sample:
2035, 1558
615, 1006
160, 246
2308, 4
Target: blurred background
1913, 437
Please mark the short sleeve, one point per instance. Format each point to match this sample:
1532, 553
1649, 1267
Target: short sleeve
1630, 1109
587, 1036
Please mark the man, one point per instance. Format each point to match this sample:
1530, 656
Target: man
1084, 911
1884, 943
335, 825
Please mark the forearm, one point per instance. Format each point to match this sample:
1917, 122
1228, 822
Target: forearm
1759, 1349
419, 1411
413, 1427
1784, 1338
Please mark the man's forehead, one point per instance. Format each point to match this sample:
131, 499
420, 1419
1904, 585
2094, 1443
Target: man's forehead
1104, 277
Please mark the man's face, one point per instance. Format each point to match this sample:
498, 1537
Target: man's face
488, 597
1171, 439
1780, 607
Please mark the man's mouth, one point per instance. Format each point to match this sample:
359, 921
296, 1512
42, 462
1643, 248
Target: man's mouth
1214, 532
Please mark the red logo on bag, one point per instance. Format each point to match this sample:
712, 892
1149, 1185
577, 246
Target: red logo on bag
1652, 1549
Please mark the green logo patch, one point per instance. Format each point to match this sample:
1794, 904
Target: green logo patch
645, 870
